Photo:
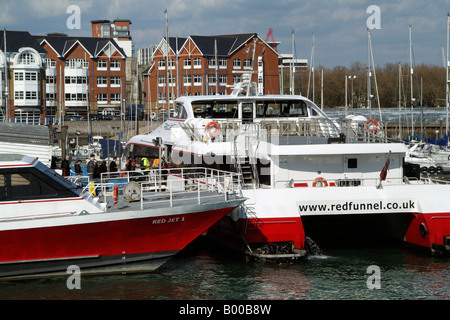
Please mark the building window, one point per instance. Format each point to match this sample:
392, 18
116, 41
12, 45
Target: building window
171, 80
27, 58
18, 76
236, 79
211, 62
18, 95
76, 64
222, 63
161, 81
76, 97
115, 65
161, 64
211, 79
102, 81
50, 96
105, 30
197, 63
30, 95
247, 63
102, 98
223, 79
115, 81
50, 79
50, 64
187, 79
187, 63
197, 79
171, 64
30, 76
102, 65
115, 97
236, 63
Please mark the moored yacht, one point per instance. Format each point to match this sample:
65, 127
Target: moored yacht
304, 175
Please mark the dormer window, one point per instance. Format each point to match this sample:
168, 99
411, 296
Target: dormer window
27, 58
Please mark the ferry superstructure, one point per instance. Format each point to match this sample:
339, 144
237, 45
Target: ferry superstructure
305, 176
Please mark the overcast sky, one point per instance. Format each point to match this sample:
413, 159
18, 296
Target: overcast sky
339, 25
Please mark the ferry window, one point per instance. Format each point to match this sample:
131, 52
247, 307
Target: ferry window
202, 109
28, 186
247, 110
298, 109
215, 109
179, 112
225, 109
273, 110
2, 187
352, 163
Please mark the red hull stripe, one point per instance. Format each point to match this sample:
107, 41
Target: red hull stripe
132, 236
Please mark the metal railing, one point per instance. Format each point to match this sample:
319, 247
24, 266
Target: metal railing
171, 185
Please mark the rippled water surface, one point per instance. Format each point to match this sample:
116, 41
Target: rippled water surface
206, 272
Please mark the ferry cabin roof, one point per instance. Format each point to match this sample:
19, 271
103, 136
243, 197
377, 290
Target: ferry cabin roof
243, 107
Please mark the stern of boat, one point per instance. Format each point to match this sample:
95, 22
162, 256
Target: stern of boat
430, 231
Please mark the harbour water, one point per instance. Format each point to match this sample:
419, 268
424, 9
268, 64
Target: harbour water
207, 272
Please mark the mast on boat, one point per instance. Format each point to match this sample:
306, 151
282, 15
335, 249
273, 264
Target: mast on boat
446, 76
411, 71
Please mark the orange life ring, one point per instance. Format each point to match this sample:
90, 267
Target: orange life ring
116, 194
372, 125
214, 130
320, 182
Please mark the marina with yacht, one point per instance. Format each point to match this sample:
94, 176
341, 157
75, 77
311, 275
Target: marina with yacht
218, 169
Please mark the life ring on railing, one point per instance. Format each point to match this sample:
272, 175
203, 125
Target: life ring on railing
115, 194
213, 128
320, 182
372, 125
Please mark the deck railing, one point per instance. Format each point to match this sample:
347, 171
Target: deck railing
167, 185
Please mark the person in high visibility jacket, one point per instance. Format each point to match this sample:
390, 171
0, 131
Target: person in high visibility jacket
145, 163
155, 163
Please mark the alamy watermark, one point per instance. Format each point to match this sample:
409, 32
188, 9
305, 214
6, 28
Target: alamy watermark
74, 20
374, 21
374, 280
74, 280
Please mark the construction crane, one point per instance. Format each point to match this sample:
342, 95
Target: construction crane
269, 36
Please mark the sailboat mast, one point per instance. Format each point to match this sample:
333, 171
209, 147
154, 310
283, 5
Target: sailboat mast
399, 100
368, 74
166, 23
291, 74
411, 71
446, 76
313, 62
6, 118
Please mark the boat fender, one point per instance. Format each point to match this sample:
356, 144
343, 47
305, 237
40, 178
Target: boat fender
372, 125
92, 188
431, 169
424, 169
320, 182
439, 169
423, 230
115, 194
213, 128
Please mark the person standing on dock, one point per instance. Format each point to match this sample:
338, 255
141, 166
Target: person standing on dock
113, 165
91, 167
65, 166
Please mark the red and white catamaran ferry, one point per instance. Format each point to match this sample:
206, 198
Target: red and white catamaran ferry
304, 175
48, 224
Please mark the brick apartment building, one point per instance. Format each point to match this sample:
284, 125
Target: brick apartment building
49, 78
21, 77
190, 67
83, 74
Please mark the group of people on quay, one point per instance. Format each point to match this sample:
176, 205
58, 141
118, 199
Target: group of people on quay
94, 167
